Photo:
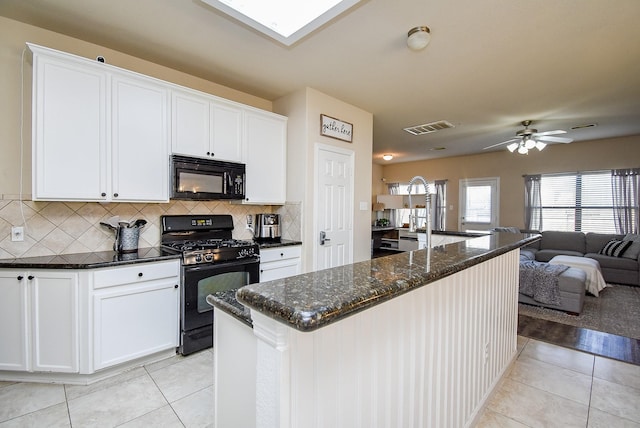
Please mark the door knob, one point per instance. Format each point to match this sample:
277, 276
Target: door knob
323, 237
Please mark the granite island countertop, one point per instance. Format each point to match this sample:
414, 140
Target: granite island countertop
310, 301
90, 260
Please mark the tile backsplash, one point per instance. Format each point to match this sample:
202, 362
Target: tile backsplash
52, 228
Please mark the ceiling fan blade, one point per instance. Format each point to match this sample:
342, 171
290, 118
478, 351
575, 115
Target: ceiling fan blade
555, 139
556, 132
504, 142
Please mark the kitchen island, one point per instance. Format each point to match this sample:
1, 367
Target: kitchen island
415, 339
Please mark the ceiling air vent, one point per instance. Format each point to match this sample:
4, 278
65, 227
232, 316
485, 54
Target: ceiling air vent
428, 127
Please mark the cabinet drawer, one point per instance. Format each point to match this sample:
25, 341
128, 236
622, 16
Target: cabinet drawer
280, 253
135, 273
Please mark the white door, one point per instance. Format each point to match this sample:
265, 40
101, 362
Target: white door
334, 207
479, 206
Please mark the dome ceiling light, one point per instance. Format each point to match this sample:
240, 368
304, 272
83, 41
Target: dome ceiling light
418, 38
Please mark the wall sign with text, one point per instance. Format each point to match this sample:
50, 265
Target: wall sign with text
334, 128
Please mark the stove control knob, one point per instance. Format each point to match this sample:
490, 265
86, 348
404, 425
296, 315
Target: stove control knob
198, 258
208, 257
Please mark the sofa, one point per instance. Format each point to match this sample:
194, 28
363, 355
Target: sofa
619, 260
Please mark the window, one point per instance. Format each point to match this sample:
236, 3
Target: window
438, 204
580, 202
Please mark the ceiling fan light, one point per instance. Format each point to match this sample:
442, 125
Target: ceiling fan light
512, 147
540, 145
523, 149
530, 143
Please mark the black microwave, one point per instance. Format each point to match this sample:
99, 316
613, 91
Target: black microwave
206, 179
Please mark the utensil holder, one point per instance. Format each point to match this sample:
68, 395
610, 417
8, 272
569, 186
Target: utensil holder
128, 240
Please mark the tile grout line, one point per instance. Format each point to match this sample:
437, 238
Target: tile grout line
163, 396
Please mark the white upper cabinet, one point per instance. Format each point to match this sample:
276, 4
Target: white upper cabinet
205, 126
265, 153
99, 133
104, 134
69, 129
140, 140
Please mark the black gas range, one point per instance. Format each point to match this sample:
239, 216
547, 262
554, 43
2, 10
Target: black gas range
212, 261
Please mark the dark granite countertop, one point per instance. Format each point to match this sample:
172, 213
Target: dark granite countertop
226, 300
98, 259
281, 243
310, 301
382, 228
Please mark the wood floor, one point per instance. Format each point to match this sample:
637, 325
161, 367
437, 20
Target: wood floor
594, 342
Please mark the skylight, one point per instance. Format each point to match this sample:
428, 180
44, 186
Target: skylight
287, 21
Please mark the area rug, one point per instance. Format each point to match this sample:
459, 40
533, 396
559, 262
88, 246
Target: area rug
616, 311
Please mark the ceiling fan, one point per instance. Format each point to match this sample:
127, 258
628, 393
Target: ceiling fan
529, 138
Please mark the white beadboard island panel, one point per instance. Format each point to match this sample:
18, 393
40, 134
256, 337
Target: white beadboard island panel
428, 358
417, 339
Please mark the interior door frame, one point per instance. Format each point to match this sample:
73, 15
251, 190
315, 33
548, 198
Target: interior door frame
495, 203
316, 196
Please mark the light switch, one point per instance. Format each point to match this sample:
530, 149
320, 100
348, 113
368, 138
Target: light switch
364, 206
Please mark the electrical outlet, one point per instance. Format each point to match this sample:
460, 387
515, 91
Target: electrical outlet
17, 233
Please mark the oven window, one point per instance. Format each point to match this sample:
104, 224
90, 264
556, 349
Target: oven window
219, 282
194, 183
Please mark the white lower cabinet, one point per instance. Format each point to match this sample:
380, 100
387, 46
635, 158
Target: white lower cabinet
280, 262
135, 311
39, 321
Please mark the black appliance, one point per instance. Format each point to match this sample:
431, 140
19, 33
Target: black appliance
211, 261
206, 179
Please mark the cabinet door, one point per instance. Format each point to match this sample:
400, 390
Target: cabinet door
226, 120
140, 140
265, 153
13, 320
190, 124
281, 262
134, 321
278, 270
69, 130
54, 321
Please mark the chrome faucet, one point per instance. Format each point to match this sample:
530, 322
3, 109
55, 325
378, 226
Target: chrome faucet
413, 219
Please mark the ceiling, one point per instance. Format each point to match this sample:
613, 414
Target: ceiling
490, 65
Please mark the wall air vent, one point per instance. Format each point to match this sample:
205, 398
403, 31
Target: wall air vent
428, 127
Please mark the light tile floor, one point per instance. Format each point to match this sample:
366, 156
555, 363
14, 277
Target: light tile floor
175, 392
552, 386
547, 386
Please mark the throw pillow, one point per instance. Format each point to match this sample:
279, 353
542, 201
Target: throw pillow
615, 248
634, 250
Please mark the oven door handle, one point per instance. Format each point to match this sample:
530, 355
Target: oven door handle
224, 265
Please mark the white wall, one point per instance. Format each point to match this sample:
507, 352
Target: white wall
304, 108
